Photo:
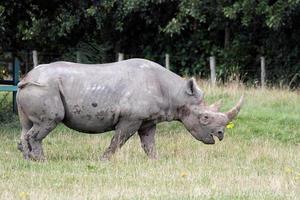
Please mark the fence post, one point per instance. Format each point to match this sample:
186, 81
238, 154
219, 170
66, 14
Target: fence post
167, 61
27, 58
78, 60
212, 64
263, 71
120, 56
35, 58
16, 76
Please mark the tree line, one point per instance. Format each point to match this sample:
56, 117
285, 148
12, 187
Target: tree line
236, 32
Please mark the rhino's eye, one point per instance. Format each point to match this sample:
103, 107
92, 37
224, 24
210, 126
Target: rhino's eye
204, 119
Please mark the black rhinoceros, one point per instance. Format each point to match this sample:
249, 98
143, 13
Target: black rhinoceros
128, 96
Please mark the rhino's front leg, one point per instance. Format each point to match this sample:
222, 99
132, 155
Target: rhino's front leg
124, 130
148, 141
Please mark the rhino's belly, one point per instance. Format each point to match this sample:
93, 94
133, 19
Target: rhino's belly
90, 127
90, 120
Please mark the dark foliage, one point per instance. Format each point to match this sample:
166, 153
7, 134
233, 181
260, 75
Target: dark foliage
236, 32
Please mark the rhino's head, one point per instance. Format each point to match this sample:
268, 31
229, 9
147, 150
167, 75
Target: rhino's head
204, 121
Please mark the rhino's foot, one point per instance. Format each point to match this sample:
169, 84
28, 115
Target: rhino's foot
32, 156
25, 148
106, 156
150, 151
36, 157
26, 157
153, 157
20, 147
36, 153
104, 159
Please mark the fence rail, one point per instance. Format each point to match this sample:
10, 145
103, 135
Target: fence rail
257, 72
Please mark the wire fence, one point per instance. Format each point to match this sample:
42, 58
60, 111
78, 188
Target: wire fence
192, 66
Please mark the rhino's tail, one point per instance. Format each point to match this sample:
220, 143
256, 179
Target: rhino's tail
22, 84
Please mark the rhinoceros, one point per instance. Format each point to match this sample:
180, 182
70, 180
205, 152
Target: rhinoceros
128, 96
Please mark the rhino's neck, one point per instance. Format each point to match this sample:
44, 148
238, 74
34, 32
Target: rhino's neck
176, 108
177, 113
172, 89
180, 105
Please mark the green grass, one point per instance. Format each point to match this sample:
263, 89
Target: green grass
258, 159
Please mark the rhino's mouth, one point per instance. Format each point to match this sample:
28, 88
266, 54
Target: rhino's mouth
207, 139
210, 138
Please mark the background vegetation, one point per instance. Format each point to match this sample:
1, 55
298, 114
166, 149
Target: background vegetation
236, 32
258, 158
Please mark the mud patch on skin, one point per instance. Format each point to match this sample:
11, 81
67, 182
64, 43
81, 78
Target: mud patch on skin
100, 115
76, 109
89, 117
48, 129
20, 146
94, 104
35, 134
113, 116
183, 111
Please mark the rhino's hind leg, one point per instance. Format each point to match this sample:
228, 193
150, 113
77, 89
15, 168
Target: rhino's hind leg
124, 130
40, 111
26, 124
23, 145
23, 133
148, 141
35, 136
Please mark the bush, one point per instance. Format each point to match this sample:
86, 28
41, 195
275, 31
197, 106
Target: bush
6, 111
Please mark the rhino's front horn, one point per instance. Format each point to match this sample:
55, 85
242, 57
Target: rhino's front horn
232, 113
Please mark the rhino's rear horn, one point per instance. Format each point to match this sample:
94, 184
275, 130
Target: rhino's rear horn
232, 113
216, 106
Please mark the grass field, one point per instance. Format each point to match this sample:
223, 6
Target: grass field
258, 159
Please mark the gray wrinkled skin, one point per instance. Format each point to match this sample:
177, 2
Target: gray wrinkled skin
128, 96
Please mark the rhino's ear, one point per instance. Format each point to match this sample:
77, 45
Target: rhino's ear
192, 88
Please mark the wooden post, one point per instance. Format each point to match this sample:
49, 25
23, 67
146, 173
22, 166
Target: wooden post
27, 61
167, 61
263, 71
78, 60
120, 56
35, 58
227, 35
16, 76
212, 64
